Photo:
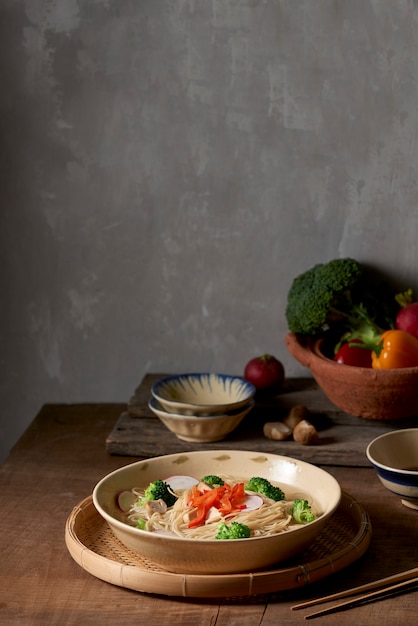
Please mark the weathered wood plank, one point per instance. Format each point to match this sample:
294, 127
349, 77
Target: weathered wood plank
343, 438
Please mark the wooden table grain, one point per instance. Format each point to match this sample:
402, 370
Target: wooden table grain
56, 464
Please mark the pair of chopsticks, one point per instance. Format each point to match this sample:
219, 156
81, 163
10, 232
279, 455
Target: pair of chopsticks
384, 588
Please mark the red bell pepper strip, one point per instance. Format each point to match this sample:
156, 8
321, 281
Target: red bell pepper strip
232, 499
226, 499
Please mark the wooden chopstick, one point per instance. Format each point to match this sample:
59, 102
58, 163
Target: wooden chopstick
407, 575
380, 594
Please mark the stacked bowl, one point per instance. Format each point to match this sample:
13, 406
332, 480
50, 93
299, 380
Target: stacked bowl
201, 407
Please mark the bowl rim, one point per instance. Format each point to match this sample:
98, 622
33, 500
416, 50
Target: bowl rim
159, 537
383, 466
314, 346
249, 387
237, 412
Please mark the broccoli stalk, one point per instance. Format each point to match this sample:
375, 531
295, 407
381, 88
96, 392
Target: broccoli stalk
265, 488
301, 512
362, 328
158, 490
234, 531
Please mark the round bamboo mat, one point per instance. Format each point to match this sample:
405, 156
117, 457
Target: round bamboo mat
93, 546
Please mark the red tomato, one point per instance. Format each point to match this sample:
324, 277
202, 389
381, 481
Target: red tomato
265, 372
350, 355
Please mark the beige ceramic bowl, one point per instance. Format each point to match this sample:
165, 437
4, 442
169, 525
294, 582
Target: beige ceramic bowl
394, 456
202, 394
202, 428
297, 479
359, 391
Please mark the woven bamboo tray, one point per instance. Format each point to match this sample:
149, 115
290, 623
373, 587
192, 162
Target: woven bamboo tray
93, 546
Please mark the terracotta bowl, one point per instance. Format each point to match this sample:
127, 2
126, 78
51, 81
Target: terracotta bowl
298, 479
363, 392
394, 456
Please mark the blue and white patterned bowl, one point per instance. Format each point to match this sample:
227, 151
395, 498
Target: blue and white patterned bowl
202, 394
394, 456
200, 428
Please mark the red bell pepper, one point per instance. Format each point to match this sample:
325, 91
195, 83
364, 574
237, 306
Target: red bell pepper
349, 354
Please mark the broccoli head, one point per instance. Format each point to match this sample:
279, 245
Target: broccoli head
213, 481
265, 488
317, 296
301, 512
234, 531
159, 490
341, 298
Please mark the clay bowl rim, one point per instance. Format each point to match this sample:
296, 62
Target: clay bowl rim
313, 346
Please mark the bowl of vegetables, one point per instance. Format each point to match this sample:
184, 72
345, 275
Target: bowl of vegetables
394, 456
351, 333
217, 511
359, 391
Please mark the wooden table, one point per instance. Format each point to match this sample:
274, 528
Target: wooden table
56, 464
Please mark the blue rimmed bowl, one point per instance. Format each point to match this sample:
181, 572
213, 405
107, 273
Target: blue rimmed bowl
202, 394
394, 456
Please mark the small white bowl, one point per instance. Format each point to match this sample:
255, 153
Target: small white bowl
394, 456
204, 556
202, 394
201, 428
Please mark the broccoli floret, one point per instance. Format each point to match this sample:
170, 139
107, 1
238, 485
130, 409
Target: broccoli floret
159, 490
342, 299
316, 295
234, 531
141, 524
265, 488
301, 512
213, 481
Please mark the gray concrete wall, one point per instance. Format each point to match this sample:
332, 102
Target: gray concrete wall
168, 167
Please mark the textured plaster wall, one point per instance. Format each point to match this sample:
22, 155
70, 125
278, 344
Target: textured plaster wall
167, 168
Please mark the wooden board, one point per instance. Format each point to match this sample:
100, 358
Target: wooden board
342, 438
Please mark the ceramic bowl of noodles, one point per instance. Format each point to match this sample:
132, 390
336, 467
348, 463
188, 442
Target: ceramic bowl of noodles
373, 394
200, 428
394, 456
181, 536
202, 393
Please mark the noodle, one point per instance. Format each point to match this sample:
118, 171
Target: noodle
270, 519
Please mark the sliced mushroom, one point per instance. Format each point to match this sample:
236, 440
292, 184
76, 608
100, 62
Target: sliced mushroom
155, 506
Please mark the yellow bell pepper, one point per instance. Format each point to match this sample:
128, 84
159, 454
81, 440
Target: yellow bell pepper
396, 349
